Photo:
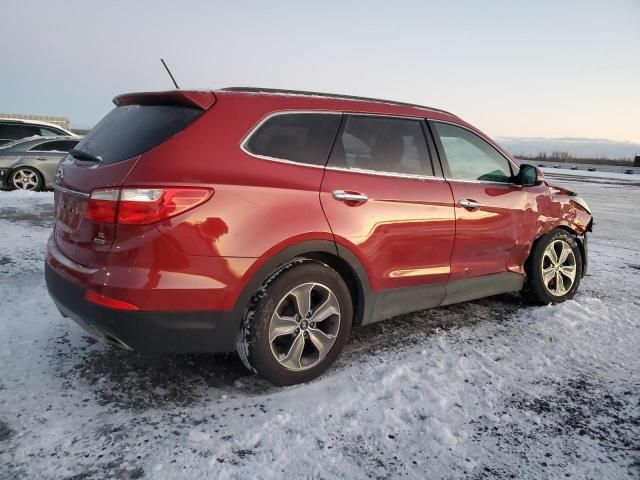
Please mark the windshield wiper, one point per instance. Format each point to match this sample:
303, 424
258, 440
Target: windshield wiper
86, 156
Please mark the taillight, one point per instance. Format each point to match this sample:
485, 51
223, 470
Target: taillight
142, 206
103, 205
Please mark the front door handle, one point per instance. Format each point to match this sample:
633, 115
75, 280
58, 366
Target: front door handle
343, 196
470, 204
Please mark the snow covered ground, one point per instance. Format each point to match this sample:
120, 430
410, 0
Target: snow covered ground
487, 389
600, 176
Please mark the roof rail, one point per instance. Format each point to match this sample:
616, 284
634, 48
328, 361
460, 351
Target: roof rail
330, 95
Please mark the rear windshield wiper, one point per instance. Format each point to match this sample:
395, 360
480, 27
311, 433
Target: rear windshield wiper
86, 156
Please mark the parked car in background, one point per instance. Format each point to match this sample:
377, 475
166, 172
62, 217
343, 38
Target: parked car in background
272, 222
14, 129
31, 163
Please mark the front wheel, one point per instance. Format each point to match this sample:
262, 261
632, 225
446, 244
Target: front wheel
554, 269
297, 325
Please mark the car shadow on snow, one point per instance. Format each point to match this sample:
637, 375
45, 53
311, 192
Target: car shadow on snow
142, 381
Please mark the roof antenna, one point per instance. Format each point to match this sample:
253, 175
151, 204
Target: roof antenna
169, 72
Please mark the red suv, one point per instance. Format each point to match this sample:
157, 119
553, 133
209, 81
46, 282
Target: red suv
272, 222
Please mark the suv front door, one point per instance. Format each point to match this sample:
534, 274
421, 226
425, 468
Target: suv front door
495, 217
384, 203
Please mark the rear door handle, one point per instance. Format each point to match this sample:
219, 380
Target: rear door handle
343, 196
470, 204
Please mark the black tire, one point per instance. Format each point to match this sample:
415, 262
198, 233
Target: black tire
28, 170
536, 290
254, 345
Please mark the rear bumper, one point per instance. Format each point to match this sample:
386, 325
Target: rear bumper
176, 332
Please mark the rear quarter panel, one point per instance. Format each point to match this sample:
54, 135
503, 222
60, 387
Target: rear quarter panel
257, 205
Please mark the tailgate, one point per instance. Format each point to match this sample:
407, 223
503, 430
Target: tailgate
106, 156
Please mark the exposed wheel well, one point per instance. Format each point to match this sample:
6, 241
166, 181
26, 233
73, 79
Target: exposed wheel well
581, 240
580, 243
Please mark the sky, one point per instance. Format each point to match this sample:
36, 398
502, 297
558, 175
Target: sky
539, 68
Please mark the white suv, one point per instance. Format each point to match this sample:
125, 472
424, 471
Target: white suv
14, 129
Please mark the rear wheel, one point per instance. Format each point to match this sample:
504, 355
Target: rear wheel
26, 178
554, 269
297, 325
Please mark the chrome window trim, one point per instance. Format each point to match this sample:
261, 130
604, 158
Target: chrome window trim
491, 182
486, 139
267, 117
409, 176
72, 192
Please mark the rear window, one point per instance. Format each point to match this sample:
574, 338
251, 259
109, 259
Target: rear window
296, 137
130, 130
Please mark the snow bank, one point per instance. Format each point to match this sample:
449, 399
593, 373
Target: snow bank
25, 226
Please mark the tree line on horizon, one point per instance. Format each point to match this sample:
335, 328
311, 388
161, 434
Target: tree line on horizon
565, 157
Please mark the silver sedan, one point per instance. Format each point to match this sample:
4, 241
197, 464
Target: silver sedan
31, 163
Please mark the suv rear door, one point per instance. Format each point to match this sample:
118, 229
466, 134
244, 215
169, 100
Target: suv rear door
137, 124
385, 204
495, 217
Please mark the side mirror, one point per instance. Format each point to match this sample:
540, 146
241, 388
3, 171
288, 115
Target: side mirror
528, 176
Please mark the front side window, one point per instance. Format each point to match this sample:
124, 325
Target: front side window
296, 137
470, 157
382, 144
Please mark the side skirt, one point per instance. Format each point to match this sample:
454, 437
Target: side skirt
389, 303
480, 287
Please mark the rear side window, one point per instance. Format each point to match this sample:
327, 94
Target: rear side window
57, 146
296, 137
382, 144
470, 157
130, 130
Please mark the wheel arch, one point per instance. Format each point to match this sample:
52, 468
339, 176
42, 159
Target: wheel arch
581, 240
578, 236
337, 257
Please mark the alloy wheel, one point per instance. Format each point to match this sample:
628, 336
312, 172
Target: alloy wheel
25, 179
304, 326
558, 268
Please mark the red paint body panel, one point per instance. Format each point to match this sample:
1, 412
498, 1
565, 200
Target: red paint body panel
403, 235
409, 232
73, 232
498, 236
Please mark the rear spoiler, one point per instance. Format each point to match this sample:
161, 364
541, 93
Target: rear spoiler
179, 98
